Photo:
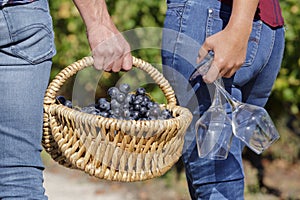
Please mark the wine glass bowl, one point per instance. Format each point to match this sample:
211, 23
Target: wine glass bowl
211, 142
214, 131
253, 125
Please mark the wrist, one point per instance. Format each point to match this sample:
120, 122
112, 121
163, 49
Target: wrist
93, 13
242, 28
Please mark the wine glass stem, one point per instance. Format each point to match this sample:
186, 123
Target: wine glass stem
228, 97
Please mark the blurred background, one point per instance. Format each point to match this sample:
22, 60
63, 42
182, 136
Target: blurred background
273, 175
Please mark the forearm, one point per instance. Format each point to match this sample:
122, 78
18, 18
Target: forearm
93, 12
96, 19
242, 16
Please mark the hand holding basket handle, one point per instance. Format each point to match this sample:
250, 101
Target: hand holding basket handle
113, 149
111, 51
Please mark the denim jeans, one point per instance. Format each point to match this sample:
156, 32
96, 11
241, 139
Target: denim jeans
26, 49
187, 24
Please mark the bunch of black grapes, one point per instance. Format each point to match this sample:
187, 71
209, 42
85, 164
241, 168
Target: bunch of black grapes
124, 104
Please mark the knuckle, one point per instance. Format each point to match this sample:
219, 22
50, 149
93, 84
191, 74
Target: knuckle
220, 62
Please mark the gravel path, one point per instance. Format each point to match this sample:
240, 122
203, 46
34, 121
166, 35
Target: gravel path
64, 185
68, 184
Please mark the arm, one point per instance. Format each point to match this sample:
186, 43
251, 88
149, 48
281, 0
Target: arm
111, 51
230, 44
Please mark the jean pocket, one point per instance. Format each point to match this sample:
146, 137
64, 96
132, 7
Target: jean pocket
175, 8
217, 21
31, 31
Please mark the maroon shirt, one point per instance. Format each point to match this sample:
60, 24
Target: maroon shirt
268, 11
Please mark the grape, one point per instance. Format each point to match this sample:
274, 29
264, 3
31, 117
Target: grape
123, 105
143, 111
150, 104
126, 113
116, 112
146, 99
147, 114
104, 114
151, 118
125, 88
140, 91
120, 97
155, 112
102, 100
155, 105
61, 100
114, 104
113, 92
136, 107
104, 106
68, 103
90, 110
134, 115
166, 114
126, 106
138, 99
129, 98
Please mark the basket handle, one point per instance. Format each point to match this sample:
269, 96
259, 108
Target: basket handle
72, 69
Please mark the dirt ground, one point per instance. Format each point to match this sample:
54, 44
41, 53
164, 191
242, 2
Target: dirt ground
65, 184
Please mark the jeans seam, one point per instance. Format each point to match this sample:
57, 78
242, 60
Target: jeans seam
209, 22
255, 39
270, 52
7, 25
178, 34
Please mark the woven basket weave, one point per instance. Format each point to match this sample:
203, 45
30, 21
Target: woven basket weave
113, 149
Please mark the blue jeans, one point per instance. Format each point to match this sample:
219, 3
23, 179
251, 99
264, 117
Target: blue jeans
26, 49
187, 24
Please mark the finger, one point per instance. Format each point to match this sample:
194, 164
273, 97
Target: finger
228, 74
202, 53
111, 59
127, 62
98, 62
107, 64
229, 70
117, 64
98, 56
212, 74
108, 68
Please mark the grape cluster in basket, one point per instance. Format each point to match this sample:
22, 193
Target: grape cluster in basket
124, 104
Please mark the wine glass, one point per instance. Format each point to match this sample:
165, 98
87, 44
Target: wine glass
251, 124
214, 131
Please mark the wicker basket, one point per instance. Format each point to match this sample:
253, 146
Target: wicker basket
113, 149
